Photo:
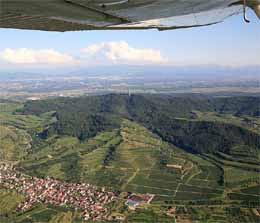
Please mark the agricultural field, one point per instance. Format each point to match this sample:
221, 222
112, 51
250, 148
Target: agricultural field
191, 163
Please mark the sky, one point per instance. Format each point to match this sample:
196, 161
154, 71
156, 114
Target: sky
231, 43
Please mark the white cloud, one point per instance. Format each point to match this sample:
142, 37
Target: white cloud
103, 53
121, 52
33, 56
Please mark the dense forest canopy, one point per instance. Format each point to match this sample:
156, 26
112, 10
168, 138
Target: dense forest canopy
172, 118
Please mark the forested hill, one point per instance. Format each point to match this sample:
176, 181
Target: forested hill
120, 103
175, 119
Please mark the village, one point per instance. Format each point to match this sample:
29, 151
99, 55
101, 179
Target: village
89, 199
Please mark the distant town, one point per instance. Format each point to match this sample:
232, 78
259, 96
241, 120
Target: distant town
28, 86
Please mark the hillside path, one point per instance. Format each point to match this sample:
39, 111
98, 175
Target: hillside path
130, 178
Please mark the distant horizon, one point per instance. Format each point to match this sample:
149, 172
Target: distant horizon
246, 76
24, 68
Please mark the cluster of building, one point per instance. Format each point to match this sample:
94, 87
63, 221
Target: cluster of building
135, 200
175, 166
90, 199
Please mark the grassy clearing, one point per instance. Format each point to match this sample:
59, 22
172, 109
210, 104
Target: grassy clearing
10, 107
63, 217
32, 123
143, 216
236, 174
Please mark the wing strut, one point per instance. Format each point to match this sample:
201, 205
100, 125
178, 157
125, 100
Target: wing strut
244, 11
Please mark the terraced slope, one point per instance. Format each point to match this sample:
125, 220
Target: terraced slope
133, 159
128, 159
62, 157
14, 143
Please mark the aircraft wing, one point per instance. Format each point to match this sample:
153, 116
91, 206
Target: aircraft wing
72, 15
